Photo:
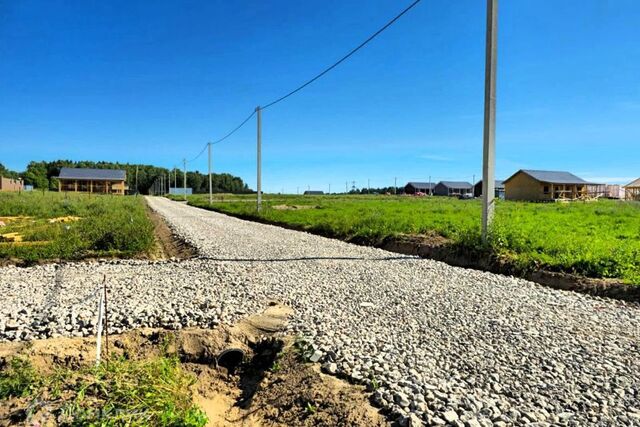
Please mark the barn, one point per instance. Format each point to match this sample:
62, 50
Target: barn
84, 180
453, 188
632, 190
419, 187
539, 185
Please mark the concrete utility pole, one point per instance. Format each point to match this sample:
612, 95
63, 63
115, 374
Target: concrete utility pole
395, 185
346, 187
175, 176
368, 186
210, 181
489, 137
329, 188
259, 149
184, 178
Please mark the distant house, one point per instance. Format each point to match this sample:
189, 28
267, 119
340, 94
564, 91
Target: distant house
105, 181
419, 187
614, 191
10, 184
499, 189
537, 185
453, 188
313, 193
632, 190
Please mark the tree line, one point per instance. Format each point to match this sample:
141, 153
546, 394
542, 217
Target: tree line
42, 175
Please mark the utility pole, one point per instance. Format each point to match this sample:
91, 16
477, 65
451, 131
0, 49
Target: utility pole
368, 186
346, 187
259, 152
329, 189
175, 177
297, 190
430, 186
210, 181
137, 181
184, 178
489, 136
395, 185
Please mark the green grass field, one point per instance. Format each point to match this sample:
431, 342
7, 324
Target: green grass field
54, 225
597, 239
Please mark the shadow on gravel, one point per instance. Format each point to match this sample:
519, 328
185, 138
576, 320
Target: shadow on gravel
329, 258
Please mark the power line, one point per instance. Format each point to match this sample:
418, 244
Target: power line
200, 154
344, 58
235, 129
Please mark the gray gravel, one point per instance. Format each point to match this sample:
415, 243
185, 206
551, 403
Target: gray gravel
434, 343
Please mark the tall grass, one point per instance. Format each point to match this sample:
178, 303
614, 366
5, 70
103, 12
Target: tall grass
109, 225
598, 239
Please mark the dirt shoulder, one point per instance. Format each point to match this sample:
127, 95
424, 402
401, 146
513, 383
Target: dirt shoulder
168, 244
270, 385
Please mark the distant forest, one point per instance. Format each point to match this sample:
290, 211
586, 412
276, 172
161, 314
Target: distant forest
42, 175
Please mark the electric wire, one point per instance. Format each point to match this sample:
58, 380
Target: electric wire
344, 58
318, 76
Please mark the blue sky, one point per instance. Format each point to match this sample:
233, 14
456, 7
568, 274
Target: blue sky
152, 82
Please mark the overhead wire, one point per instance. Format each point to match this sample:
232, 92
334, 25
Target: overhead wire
318, 76
344, 58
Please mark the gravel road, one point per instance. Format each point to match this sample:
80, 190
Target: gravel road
436, 344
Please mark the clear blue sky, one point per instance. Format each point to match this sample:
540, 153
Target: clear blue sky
153, 81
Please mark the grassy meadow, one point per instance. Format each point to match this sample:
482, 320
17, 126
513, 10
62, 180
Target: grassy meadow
51, 225
595, 239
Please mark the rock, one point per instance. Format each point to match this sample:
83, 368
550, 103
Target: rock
316, 356
401, 399
450, 416
330, 368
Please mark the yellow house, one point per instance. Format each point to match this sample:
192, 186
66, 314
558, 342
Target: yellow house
632, 190
536, 185
105, 181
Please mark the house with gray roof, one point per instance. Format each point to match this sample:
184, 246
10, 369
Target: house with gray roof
419, 188
453, 188
539, 185
85, 180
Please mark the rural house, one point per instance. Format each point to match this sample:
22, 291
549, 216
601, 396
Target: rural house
499, 185
632, 190
313, 193
10, 184
105, 181
452, 188
419, 187
537, 185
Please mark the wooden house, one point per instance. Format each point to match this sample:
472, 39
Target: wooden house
419, 188
105, 181
632, 190
453, 188
537, 185
10, 184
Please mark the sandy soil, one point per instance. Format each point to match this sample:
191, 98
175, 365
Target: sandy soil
271, 387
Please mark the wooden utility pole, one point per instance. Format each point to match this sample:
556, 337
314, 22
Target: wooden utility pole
489, 136
259, 158
210, 181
